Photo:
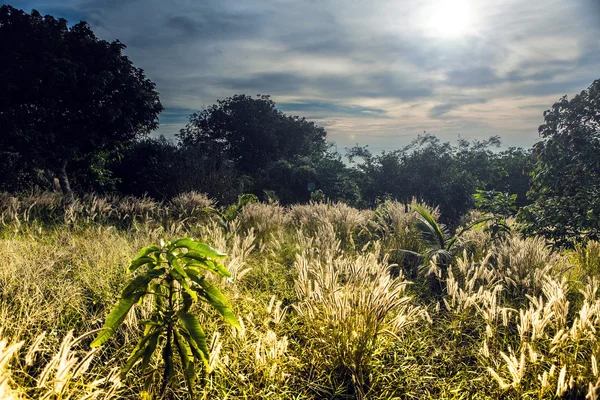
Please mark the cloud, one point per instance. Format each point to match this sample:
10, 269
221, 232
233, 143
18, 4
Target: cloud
370, 72
320, 109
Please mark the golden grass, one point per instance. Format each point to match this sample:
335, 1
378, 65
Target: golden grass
325, 310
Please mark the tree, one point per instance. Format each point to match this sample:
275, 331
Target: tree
511, 173
436, 173
565, 181
251, 133
66, 95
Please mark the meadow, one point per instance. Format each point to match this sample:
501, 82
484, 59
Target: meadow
333, 303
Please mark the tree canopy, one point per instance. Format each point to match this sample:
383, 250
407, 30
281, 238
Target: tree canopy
565, 180
440, 173
251, 133
66, 95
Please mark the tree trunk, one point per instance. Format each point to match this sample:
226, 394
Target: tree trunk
53, 183
63, 179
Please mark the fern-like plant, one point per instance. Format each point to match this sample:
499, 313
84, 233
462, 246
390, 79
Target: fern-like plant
173, 274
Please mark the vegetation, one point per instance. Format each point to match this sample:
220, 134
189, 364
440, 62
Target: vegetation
67, 96
566, 176
323, 311
174, 279
398, 275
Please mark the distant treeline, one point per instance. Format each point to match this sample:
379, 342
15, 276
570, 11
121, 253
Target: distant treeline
76, 116
245, 145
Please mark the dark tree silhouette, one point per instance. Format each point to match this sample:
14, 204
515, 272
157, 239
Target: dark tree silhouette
65, 94
251, 133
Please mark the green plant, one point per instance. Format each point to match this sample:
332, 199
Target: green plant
500, 206
318, 196
565, 176
440, 244
174, 276
232, 212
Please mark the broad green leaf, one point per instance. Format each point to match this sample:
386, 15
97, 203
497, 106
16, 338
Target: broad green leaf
139, 282
188, 300
167, 356
216, 299
183, 281
156, 288
202, 249
115, 319
177, 267
147, 250
138, 262
196, 259
198, 354
209, 251
186, 243
192, 326
430, 227
149, 351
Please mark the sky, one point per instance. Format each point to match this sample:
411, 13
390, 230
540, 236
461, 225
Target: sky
372, 72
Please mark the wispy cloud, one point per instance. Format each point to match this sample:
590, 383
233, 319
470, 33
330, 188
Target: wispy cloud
370, 72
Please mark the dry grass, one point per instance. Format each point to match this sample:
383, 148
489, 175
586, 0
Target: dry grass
325, 311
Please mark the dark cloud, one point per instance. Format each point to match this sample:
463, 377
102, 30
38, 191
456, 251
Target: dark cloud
370, 85
271, 83
212, 22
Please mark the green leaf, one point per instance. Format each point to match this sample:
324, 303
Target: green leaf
196, 259
188, 300
197, 335
149, 351
140, 282
157, 289
177, 267
198, 354
187, 361
146, 251
183, 281
216, 299
202, 249
167, 356
430, 227
138, 262
115, 319
139, 351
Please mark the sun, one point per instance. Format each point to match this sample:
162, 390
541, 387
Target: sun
451, 18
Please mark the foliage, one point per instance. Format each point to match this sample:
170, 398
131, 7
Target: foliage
437, 173
173, 275
318, 196
231, 212
440, 244
499, 206
67, 95
565, 180
317, 319
251, 133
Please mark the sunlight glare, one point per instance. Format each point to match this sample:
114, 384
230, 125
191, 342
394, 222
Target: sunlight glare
451, 18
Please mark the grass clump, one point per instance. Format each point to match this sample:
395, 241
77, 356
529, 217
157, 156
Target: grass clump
327, 304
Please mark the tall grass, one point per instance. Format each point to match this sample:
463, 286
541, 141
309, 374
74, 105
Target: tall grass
329, 306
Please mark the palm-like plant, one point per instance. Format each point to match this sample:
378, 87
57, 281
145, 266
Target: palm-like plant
440, 244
